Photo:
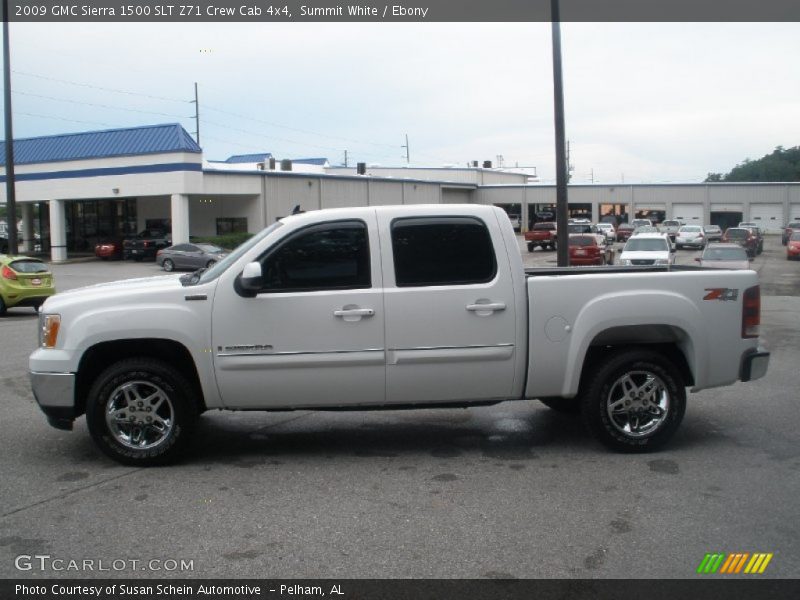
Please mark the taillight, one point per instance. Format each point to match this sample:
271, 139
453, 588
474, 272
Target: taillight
146, 244
751, 312
8, 273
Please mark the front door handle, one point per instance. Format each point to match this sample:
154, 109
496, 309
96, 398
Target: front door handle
483, 310
353, 313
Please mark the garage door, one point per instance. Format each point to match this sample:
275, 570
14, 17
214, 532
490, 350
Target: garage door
768, 216
794, 212
688, 214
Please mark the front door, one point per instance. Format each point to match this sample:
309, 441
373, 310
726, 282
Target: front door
314, 334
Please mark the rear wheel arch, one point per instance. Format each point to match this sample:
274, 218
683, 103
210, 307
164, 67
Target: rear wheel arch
102, 355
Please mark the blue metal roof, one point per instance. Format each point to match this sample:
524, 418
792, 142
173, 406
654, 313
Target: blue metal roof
248, 158
150, 139
311, 161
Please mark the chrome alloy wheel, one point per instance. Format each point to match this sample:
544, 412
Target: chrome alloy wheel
139, 415
637, 403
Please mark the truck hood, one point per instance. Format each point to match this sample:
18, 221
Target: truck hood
646, 255
128, 290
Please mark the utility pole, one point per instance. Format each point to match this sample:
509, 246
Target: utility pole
345, 158
11, 199
561, 154
592, 174
408, 154
196, 103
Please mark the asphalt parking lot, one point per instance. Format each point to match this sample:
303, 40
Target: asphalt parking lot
513, 490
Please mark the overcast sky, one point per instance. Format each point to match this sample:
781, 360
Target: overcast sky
644, 102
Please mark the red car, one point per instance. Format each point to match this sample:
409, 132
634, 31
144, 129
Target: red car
108, 249
790, 228
624, 231
584, 250
793, 246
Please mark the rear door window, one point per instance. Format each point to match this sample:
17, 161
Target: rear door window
432, 251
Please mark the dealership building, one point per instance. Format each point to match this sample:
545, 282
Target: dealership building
113, 183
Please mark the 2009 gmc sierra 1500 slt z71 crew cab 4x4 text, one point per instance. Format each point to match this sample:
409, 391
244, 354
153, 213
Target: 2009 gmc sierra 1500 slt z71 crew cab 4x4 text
391, 307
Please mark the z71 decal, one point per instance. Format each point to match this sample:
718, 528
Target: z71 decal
721, 294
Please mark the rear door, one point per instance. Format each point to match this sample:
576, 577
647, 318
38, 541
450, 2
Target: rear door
450, 312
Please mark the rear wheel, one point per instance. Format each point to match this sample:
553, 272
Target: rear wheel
531, 247
141, 412
168, 265
633, 401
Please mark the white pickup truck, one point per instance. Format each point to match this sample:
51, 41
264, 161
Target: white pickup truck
391, 307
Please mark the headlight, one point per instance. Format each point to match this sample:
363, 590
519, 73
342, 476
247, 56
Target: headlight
625, 262
50, 326
661, 261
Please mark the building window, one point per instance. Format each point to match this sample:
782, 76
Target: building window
231, 225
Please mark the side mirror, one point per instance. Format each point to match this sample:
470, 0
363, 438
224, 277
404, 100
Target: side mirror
250, 281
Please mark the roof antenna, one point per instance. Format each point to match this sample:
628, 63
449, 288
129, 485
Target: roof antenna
297, 210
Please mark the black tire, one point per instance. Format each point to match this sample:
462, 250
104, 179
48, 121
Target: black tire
679, 246
554, 246
144, 376
2, 307
603, 386
168, 265
531, 247
567, 406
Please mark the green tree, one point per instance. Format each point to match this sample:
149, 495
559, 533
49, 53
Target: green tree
781, 165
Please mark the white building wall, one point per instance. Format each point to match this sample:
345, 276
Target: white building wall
382, 194
344, 192
152, 208
421, 193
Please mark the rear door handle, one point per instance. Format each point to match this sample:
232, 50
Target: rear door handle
486, 308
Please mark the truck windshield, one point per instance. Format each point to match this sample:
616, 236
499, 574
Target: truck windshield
206, 275
646, 245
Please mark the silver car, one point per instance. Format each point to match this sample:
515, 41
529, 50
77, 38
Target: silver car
690, 235
724, 256
189, 256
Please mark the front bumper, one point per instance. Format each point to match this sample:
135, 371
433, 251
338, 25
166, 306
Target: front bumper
755, 363
55, 394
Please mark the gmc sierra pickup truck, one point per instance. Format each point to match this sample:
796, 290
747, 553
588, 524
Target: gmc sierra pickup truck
391, 307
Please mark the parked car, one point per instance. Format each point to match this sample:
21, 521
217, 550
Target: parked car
713, 233
742, 236
690, 235
624, 231
633, 343
146, 244
584, 249
24, 282
724, 256
790, 228
670, 228
647, 249
793, 246
608, 230
543, 235
645, 229
107, 249
641, 222
189, 256
516, 221
757, 231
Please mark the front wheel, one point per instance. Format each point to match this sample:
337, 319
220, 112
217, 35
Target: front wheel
634, 400
141, 412
168, 265
210, 264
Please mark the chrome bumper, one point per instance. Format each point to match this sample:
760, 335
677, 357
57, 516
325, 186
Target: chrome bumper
754, 365
55, 394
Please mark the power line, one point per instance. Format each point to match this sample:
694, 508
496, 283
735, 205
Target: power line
81, 103
97, 87
27, 114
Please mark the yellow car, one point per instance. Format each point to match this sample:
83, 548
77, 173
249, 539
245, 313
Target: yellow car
24, 281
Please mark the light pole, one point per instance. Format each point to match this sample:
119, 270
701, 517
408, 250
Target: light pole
562, 236
11, 201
